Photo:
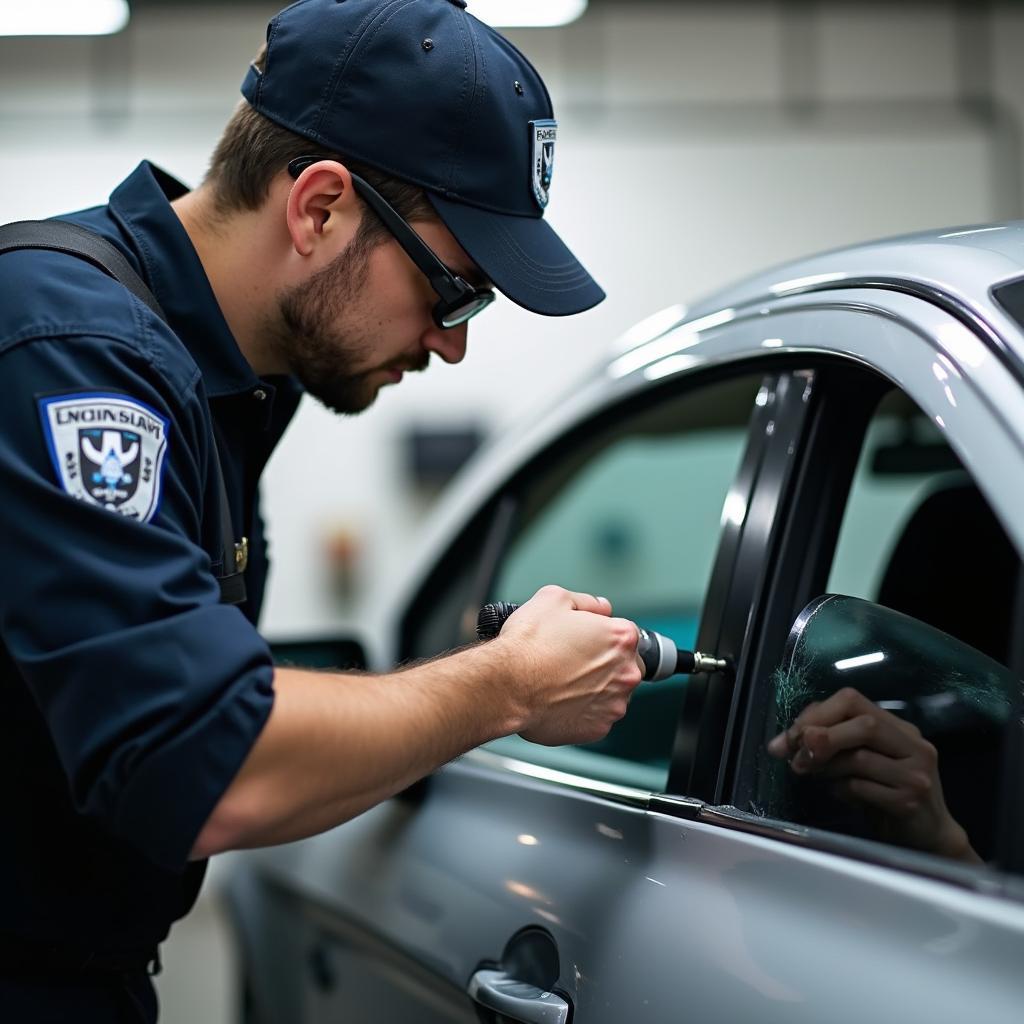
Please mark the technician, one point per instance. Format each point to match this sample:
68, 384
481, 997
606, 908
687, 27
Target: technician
389, 166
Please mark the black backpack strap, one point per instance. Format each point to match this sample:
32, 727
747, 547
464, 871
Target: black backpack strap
235, 555
73, 240
60, 236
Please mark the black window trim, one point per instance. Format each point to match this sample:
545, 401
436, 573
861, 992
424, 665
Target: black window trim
701, 757
809, 525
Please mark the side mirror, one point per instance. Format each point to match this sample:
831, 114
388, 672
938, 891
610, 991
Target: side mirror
320, 654
917, 672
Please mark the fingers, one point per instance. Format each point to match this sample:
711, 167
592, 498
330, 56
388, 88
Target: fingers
865, 764
573, 599
875, 730
589, 603
844, 720
885, 798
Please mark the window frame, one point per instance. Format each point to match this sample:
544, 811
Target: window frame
743, 570
694, 759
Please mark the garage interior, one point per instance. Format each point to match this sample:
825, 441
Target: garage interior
700, 141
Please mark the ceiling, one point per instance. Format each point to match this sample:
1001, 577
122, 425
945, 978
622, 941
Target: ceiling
968, 4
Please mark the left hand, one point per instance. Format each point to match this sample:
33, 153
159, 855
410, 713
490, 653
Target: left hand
876, 759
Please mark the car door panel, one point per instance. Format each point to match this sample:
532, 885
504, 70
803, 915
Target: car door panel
656, 919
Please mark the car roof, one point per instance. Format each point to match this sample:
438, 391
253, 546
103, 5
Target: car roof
963, 264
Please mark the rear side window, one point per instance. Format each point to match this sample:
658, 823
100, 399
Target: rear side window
917, 533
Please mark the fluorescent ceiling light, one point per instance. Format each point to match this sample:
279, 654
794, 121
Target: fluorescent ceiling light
62, 17
865, 659
527, 13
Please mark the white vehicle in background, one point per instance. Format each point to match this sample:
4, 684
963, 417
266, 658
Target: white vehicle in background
819, 475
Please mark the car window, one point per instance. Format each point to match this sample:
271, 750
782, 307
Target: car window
903, 458
632, 511
894, 686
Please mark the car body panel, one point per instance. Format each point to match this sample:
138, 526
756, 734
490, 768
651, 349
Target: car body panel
693, 922
664, 908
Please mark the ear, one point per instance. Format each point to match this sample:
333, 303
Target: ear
322, 204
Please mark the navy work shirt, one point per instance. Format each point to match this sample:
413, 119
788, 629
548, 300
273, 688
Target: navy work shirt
129, 696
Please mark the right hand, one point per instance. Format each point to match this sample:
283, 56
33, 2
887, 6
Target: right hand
573, 666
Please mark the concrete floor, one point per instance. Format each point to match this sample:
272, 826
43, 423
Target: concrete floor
197, 984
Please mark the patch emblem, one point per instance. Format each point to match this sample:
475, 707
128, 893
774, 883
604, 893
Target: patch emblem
108, 450
543, 135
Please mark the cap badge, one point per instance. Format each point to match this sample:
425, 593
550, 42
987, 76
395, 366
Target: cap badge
543, 135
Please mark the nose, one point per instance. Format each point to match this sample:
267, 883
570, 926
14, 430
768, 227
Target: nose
450, 345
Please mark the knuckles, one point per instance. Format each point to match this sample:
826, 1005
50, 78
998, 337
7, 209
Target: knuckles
870, 725
851, 699
624, 634
860, 758
920, 785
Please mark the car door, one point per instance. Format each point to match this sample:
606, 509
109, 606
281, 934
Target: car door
641, 878
901, 492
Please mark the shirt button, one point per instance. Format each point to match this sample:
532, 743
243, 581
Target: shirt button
260, 395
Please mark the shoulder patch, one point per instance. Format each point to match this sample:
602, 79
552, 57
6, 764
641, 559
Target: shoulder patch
108, 450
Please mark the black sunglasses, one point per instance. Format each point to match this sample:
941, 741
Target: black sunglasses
458, 301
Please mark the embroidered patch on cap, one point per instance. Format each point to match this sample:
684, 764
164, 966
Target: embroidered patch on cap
543, 135
108, 450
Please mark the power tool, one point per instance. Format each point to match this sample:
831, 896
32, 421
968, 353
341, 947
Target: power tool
659, 654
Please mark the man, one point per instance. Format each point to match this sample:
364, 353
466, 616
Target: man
390, 162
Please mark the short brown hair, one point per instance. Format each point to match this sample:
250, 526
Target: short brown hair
253, 150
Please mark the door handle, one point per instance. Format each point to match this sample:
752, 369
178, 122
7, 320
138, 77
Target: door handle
497, 991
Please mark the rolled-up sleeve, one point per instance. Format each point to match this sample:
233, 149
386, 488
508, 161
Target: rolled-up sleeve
152, 691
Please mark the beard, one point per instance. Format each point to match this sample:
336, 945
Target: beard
323, 356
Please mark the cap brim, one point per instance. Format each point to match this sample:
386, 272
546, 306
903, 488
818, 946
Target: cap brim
523, 257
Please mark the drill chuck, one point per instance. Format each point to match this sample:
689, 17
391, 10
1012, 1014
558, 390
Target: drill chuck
659, 654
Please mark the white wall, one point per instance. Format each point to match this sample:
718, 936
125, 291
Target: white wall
687, 159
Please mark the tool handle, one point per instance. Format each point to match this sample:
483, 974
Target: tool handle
492, 617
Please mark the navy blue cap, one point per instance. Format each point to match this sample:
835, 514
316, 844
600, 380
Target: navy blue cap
423, 91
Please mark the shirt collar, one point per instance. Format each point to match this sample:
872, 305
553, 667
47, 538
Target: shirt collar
172, 269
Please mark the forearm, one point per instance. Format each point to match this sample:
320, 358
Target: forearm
336, 744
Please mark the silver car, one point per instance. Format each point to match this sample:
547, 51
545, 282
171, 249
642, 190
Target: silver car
817, 475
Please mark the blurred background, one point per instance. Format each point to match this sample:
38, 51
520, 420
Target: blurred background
699, 141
